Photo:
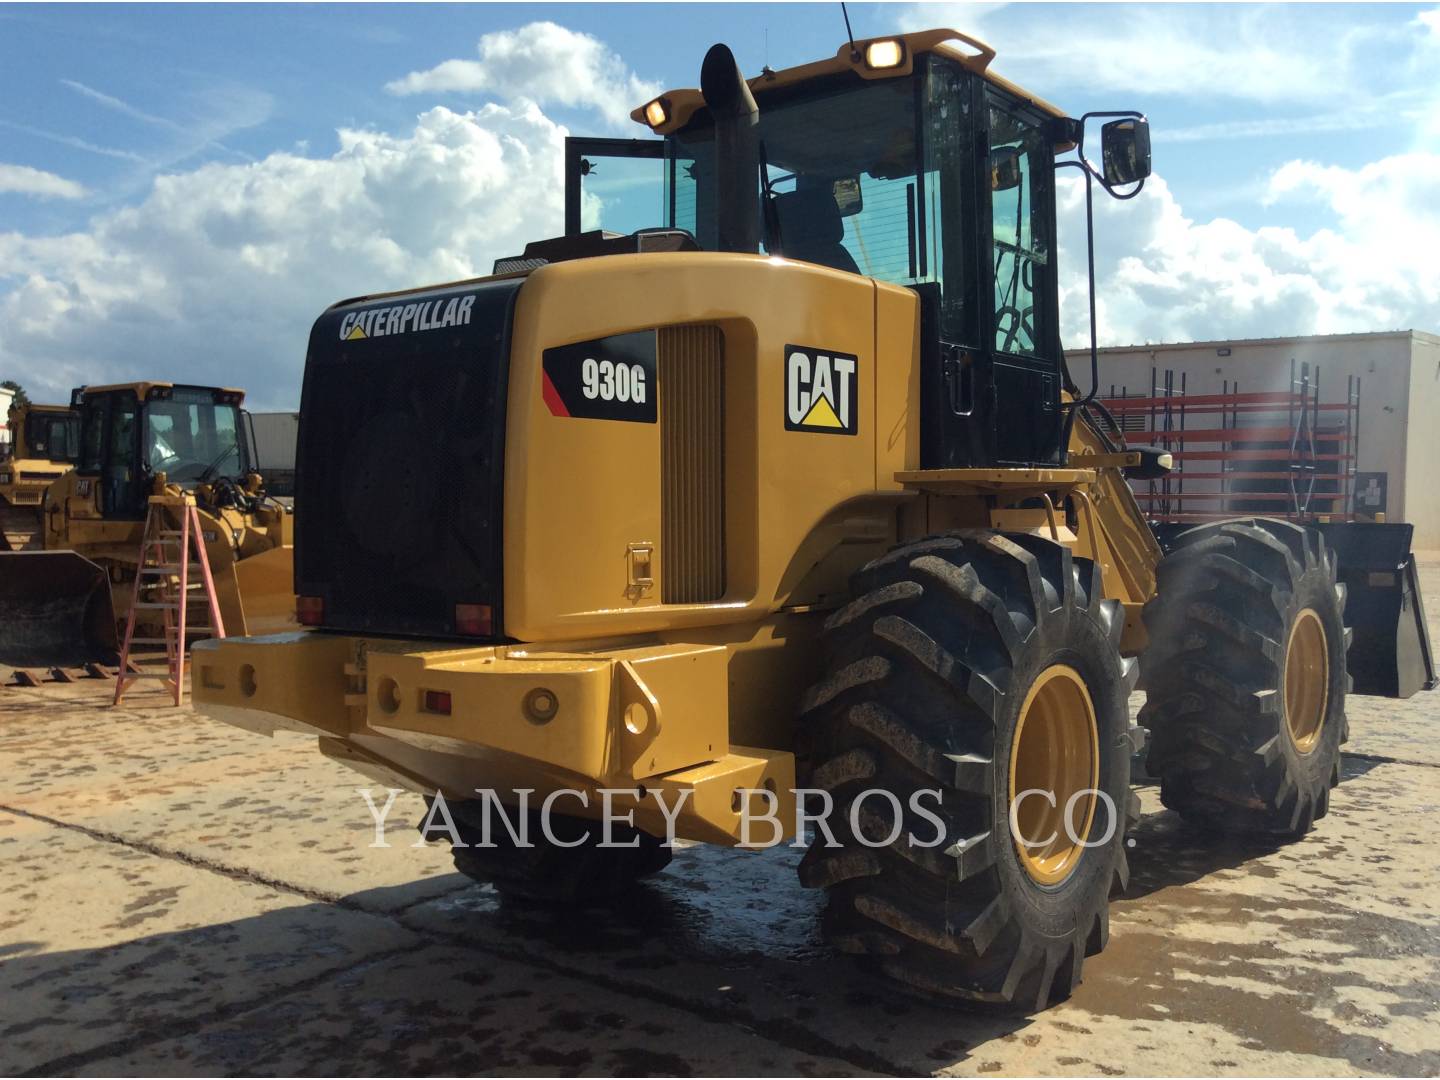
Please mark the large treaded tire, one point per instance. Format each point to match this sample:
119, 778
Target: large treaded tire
926, 671
1213, 672
549, 874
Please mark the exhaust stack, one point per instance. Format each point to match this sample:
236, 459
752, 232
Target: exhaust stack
737, 151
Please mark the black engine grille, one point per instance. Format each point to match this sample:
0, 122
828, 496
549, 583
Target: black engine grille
401, 458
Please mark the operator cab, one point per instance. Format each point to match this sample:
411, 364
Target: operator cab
907, 161
51, 434
131, 434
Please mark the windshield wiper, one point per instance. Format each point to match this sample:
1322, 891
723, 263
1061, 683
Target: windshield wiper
210, 469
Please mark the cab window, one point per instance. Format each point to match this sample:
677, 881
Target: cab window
92, 449
121, 493
59, 448
49, 437
191, 437
844, 186
1021, 251
613, 184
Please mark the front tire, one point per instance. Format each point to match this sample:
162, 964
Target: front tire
975, 665
1245, 677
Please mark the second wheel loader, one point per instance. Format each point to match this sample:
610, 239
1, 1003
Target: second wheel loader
63, 599
794, 491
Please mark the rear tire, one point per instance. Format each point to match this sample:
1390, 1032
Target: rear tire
548, 873
1245, 677
927, 672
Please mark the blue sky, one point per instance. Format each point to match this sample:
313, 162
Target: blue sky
172, 178
273, 77
261, 78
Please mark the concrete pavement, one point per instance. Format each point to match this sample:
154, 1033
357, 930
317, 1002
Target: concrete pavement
180, 897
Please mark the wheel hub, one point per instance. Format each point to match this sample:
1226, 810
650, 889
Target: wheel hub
1056, 752
1307, 680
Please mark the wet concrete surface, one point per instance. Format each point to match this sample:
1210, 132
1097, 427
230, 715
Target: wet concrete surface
183, 898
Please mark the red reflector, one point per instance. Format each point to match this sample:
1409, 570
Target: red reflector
309, 610
437, 701
473, 619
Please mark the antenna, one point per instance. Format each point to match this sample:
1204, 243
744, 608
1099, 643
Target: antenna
854, 52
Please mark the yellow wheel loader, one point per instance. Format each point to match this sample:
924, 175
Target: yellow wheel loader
60, 605
778, 519
44, 442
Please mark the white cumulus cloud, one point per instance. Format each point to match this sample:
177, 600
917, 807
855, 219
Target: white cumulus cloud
24, 180
1273, 54
545, 63
216, 276
1164, 276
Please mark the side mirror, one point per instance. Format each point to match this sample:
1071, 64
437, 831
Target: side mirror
1125, 149
1005, 168
848, 199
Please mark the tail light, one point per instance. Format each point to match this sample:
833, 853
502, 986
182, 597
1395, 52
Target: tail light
473, 620
437, 701
310, 610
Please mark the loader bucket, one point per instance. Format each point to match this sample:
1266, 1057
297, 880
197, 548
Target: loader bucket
267, 591
1390, 655
55, 611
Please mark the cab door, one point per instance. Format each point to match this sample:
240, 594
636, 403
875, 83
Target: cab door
110, 452
1021, 338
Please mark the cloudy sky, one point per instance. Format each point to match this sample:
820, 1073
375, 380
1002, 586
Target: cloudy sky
184, 189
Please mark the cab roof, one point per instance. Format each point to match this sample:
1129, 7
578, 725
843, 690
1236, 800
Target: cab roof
142, 389
970, 52
36, 407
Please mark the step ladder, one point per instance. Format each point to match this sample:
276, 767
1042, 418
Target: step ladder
166, 582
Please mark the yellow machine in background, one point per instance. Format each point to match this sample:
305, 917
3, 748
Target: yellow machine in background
674, 525
44, 440
59, 605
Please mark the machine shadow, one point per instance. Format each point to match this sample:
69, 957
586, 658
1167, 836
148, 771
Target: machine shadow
1169, 851
733, 934
409, 980
402, 980
469, 983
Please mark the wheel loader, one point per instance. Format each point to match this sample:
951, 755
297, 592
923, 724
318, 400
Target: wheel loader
785, 501
42, 451
63, 601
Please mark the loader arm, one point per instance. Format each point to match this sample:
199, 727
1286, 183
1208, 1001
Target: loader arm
1114, 531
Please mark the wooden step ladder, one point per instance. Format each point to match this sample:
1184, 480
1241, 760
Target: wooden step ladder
170, 551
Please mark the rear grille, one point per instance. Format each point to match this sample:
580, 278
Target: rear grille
692, 464
399, 465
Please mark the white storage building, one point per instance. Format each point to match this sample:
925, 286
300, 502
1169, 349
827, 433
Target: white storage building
6, 398
1398, 448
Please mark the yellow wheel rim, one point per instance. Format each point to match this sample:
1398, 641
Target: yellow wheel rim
1307, 680
1056, 751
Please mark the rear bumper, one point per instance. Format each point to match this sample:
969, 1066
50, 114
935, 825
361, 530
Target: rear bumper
652, 720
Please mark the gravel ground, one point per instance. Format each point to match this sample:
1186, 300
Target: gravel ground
184, 898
